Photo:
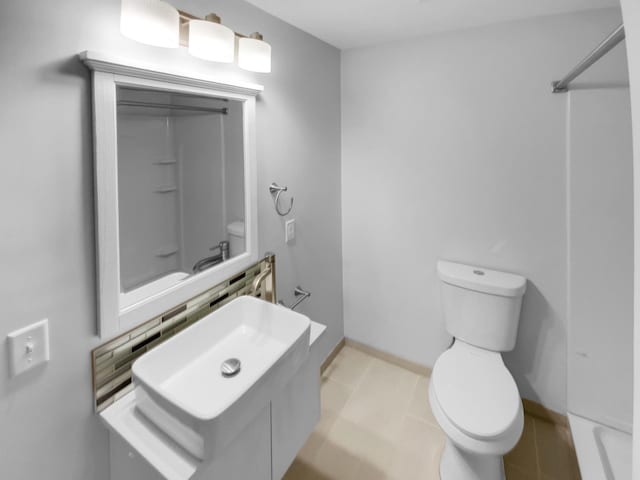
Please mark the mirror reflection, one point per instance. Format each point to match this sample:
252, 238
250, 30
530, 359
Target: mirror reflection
180, 187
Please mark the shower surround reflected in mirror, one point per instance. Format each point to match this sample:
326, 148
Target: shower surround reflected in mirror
180, 187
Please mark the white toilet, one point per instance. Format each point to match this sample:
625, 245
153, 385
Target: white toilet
472, 394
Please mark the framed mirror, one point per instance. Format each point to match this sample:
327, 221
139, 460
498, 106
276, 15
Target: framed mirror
175, 184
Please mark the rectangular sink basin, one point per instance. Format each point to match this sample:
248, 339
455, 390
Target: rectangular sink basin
183, 391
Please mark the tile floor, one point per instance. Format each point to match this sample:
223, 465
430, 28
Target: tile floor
376, 424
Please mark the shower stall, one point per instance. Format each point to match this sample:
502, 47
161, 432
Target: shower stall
600, 276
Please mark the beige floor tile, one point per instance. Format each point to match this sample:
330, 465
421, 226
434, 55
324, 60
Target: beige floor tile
524, 454
556, 457
387, 376
513, 472
333, 462
333, 395
381, 400
374, 453
317, 438
300, 470
348, 367
418, 451
377, 424
420, 406
310, 449
327, 419
368, 471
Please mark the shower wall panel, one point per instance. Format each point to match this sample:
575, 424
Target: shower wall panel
199, 148
147, 192
600, 211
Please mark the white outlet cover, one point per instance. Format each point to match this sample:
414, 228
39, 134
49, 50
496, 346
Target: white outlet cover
28, 347
290, 230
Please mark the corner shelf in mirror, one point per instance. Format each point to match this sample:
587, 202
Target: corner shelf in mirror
165, 189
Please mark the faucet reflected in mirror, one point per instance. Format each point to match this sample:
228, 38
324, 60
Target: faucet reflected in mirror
213, 260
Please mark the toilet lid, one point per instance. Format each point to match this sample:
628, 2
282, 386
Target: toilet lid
476, 391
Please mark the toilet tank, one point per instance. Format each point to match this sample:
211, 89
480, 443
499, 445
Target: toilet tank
481, 306
235, 232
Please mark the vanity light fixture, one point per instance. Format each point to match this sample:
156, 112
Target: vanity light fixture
254, 53
210, 40
155, 22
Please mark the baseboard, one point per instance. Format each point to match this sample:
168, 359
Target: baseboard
332, 354
388, 357
530, 407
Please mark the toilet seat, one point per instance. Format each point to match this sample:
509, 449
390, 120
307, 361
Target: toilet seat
476, 392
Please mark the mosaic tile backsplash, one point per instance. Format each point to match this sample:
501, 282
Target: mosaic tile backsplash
111, 362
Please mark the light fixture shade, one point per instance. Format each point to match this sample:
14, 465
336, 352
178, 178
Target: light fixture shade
153, 22
254, 55
211, 41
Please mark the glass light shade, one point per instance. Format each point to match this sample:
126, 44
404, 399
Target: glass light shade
153, 22
254, 55
211, 41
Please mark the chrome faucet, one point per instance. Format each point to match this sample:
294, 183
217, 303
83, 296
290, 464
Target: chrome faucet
213, 260
223, 246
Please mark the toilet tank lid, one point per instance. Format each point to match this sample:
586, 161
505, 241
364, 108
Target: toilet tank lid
482, 279
236, 228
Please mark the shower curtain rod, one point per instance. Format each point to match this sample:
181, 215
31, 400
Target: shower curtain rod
601, 50
132, 103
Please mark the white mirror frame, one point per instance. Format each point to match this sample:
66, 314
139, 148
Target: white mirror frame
107, 74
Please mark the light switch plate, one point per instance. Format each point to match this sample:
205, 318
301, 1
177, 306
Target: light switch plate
28, 347
290, 230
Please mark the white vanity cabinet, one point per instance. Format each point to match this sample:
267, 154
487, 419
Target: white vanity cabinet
264, 450
295, 411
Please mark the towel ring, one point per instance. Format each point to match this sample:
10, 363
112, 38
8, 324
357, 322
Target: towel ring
277, 190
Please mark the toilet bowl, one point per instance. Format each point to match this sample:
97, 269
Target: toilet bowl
476, 403
473, 396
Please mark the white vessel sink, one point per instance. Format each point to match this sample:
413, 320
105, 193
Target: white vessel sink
181, 387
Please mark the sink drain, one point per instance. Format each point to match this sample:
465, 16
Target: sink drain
230, 367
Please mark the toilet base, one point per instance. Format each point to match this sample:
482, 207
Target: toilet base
458, 464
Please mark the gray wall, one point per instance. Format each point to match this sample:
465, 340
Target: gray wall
454, 148
47, 426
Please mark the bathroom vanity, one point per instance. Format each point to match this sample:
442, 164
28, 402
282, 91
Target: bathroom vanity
254, 430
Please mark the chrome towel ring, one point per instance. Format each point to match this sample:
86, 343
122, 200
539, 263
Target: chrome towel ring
276, 190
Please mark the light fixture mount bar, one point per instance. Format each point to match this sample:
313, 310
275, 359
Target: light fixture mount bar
212, 17
185, 17
211, 40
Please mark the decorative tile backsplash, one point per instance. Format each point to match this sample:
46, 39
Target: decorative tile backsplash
111, 362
